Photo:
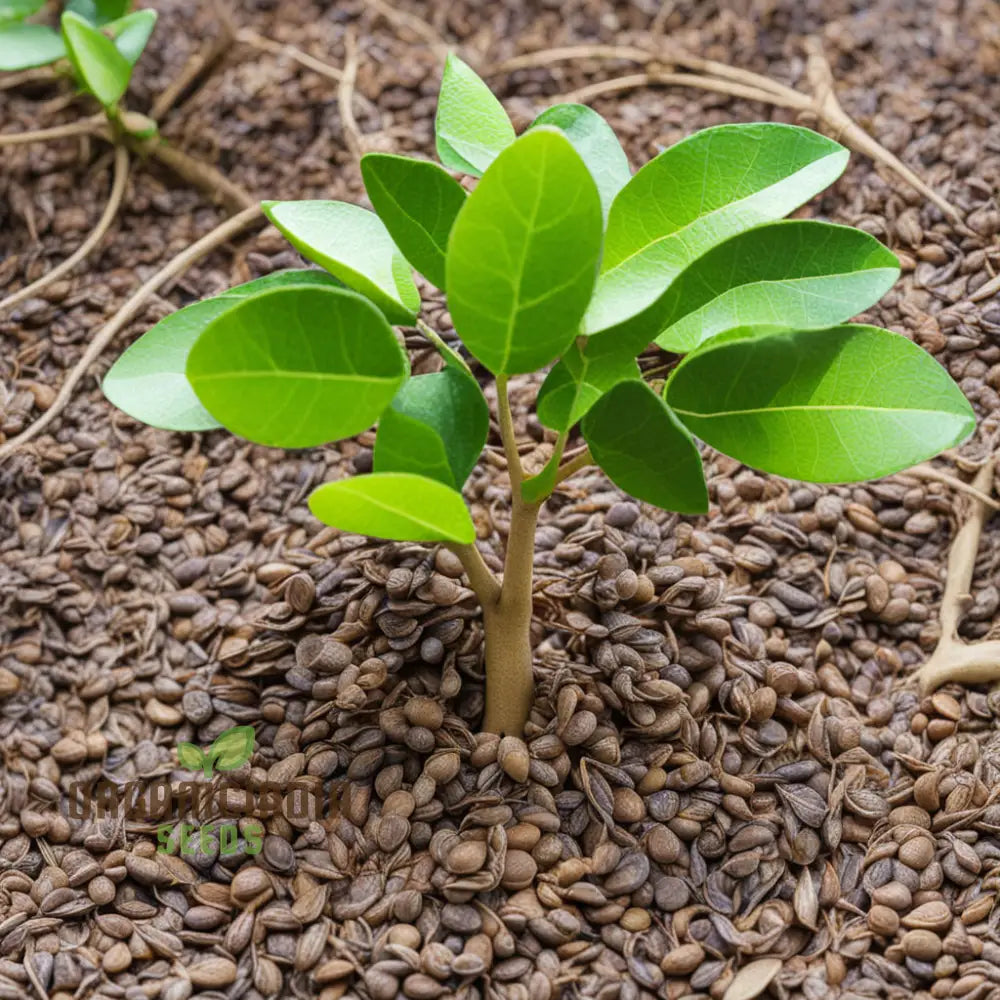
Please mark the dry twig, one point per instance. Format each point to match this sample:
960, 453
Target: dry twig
86, 126
97, 234
345, 96
250, 37
419, 27
223, 232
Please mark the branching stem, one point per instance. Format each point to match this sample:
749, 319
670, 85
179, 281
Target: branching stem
482, 578
442, 346
508, 437
574, 464
88, 126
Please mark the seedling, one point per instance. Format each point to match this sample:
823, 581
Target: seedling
229, 750
559, 257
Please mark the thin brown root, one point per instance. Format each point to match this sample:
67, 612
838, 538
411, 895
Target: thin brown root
198, 173
820, 78
223, 232
42, 74
939, 476
345, 96
88, 126
97, 234
952, 659
256, 41
196, 67
419, 27
571, 53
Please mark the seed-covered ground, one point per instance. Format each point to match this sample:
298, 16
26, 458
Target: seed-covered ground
729, 786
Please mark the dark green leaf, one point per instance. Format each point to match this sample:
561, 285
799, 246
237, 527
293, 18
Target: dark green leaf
716, 183
102, 69
645, 450
579, 379
837, 405
131, 32
148, 380
354, 245
523, 254
594, 139
471, 126
232, 749
297, 367
24, 46
395, 505
18, 10
190, 756
437, 426
418, 202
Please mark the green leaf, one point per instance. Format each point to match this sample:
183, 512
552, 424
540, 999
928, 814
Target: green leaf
594, 139
714, 184
645, 450
395, 505
99, 11
190, 756
24, 46
131, 32
232, 749
838, 405
579, 379
436, 426
148, 380
418, 202
102, 69
471, 127
18, 10
523, 255
297, 367
354, 245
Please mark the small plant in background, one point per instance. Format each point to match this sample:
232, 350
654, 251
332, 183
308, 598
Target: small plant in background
559, 257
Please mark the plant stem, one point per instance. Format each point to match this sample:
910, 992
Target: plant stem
88, 126
439, 342
484, 583
573, 465
508, 438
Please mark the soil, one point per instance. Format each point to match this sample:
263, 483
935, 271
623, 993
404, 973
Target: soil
732, 787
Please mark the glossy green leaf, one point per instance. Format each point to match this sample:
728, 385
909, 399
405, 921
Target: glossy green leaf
99, 11
471, 127
397, 505
523, 254
644, 449
579, 379
297, 367
131, 33
354, 246
24, 46
714, 184
17, 10
148, 382
436, 426
418, 202
594, 139
190, 756
102, 69
838, 405
232, 749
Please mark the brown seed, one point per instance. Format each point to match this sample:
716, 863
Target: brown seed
519, 870
923, 945
682, 960
249, 883
9, 683
163, 715
628, 806
513, 757
426, 712
332, 970
883, 921
635, 919
213, 972
117, 958
946, 706
893, 894
910, 816
932, 916
467, 857
917, 853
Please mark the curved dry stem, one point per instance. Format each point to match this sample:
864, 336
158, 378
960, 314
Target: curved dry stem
202, 175
574, 464
953, 659
97, 234
482, 578
345, 96
419, 27
225, 231
924, 471
251, 38
42, 74
88, 126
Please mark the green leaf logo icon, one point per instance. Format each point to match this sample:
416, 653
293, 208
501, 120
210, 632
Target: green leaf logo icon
231, 750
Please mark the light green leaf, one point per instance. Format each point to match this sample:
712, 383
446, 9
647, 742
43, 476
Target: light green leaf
644, 449
99, 11
579, 379
190, 756
131, 33
594, 139
714, 184
24, 46
436, 426
17, 10
418, 201
102, 69
395, 505
148, 380
471, 127
353, 245
232, 749
523, 254
297, 367
838, 405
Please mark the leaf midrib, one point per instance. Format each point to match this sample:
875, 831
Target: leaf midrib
807, 407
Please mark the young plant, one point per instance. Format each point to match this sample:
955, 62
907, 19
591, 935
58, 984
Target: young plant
559, 257
230, 750
100, 39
